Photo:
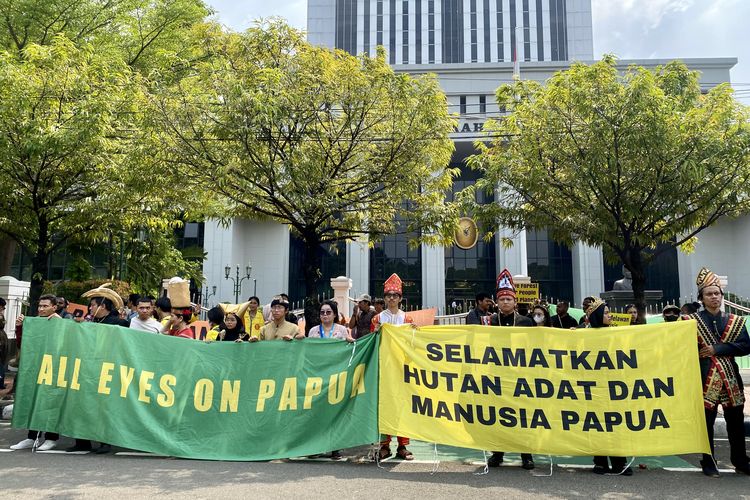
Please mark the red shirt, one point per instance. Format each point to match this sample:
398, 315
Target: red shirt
185, 333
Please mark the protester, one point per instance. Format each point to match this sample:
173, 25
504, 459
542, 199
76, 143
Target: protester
379, 305
253, 318
132, 305
215, 317
583, 322
362, 317
163, 309
328, 328
62, 308
505, 295
690, 308
233, 329
46, 308
562, 319
178, 324
145, 321
393, 315
278, 328
633, 311
104, 311
721, 338
670, 313
540, 316
480, 314
599, 317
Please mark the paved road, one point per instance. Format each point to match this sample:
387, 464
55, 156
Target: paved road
39, 475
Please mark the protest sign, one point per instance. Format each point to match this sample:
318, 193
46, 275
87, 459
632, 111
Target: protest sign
527, 293
620, 319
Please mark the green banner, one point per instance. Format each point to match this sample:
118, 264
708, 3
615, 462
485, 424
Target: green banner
186, 398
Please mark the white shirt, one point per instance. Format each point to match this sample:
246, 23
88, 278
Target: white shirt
150, 325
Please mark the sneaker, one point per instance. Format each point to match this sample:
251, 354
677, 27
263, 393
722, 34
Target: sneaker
600, 469
23, 445
527, 462
336, 455
47, 445
78, 448
496, 459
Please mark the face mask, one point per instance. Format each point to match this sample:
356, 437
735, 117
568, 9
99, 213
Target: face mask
539, 318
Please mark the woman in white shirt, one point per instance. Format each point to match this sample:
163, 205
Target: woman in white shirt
328, 327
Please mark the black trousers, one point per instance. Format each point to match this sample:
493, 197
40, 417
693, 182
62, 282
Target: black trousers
618, 463
735, 419
52, 436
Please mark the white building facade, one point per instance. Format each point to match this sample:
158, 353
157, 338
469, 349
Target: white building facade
470, 46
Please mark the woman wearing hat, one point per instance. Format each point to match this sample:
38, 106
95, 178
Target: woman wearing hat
599, 317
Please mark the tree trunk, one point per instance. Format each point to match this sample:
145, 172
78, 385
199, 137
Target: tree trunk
39, 267
311, 267
7, 252
637, 270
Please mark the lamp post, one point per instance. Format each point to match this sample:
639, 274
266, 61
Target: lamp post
207, 295
237, 280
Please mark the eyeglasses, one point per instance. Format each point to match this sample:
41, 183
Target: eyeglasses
326, 313
391, 295
278, 308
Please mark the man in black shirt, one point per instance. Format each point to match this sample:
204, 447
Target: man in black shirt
480, 315
562, 319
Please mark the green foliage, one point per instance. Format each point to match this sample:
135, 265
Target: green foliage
79, 269
333, 145
621, 161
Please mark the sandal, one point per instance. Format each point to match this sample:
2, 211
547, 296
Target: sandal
384, 452
403, 453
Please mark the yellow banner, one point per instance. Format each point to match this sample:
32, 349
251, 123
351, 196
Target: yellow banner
617, 391
620, 319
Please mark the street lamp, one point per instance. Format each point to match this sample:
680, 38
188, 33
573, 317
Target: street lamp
207, 295
237, 280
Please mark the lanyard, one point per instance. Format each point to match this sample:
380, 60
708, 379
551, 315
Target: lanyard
322, 332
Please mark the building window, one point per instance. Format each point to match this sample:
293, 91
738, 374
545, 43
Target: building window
379, 22
558, 25
431, 31
332, 264
486, 32
513, 46
346, 25
550, 264
393, 255
418, 31
468, 272
526, 32
483, 104
462, 105
539, 31
453, 31
473, 28
500, 42
405, 32
366, 28
392, 32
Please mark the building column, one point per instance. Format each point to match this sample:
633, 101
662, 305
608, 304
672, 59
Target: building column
514, 258
588, 271
341, 293
433, 277
358, 264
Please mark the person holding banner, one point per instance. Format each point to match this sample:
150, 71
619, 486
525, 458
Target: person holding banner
480, 315
599, 317
234, 329
45, 309
328, 327
278, 328
562, 319
633, 312
506, 315
721, 337
540, 316
393, 315
145, 321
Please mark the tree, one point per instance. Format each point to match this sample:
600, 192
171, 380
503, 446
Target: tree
622, 161
333, 145
70, 163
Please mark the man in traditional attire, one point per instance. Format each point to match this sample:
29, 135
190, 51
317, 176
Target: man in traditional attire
721, 337
392, 315
507, 315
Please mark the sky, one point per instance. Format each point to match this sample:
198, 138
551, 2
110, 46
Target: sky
630, 29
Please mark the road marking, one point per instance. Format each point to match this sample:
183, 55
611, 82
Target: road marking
139, 454
6, 450
693, 469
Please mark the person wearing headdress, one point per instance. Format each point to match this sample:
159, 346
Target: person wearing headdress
506, 315
104, 306
178, 292
721, 337
392, 315
599, 317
